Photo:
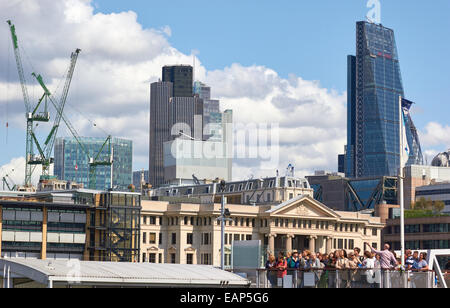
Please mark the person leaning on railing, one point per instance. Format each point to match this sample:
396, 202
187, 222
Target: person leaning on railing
421, 265
387, 258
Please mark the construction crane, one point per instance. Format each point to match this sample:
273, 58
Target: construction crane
93, 159
5, 182
45, 152
31, 114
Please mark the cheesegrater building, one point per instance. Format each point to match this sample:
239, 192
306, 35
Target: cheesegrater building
375, 100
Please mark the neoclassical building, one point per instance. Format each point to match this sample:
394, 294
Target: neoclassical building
189, 233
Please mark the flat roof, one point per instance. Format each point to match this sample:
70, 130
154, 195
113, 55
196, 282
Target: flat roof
49, 272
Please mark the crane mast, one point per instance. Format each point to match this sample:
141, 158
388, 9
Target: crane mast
32, 115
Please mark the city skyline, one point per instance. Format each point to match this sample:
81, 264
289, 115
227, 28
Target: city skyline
292, 100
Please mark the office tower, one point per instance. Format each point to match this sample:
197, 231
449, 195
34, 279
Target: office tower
351, 120
160, 95
374, 91
72, 163
203, 91
181, 76
186, 115
212, 117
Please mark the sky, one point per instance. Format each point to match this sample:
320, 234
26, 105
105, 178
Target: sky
270, 61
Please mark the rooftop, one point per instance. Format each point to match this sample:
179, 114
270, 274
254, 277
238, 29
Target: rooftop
62, 272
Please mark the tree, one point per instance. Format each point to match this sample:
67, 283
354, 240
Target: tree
438, 206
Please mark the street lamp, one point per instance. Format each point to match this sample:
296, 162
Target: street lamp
224, 216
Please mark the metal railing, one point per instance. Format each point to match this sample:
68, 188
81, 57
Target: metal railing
332, 278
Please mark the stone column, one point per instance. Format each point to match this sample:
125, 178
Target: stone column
289, 238
44, 234
329, 244
312, 243
271, 243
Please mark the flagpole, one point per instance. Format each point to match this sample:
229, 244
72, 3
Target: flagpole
400, 183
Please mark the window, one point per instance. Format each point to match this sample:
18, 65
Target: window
248, 237
375, 245
160, 260
152, 220
160, 239
172, 258
351, 244
340, 244
291, 196
205, 239
144, 255
236, 237
145, 220
174, 238
189, 238
374, 232
185, 220
206, 258
189, 258
152, 238
192, 221
152, 258
247, 222
144, 237
269, 197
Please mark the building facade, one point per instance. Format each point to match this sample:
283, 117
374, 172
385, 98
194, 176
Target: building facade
72, 163
160, 94
181, 76
80, 224
189, 233
376, 108
420, 233
274, 190
354, 194
417, 176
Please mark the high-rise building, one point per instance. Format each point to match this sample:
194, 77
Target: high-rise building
72, 163
181, 76
160, 95
186, 116
374, 91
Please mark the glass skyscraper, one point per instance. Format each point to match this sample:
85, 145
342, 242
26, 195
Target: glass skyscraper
72, 164
374, 91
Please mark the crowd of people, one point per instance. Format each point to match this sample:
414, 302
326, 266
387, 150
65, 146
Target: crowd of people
341, 260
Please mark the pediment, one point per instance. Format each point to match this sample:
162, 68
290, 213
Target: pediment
153, 248
190, 249
172, 249
303, 207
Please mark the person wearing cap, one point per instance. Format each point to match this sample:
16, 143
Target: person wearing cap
294, 261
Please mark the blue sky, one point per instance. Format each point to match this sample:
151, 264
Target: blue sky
259, 56
309, 38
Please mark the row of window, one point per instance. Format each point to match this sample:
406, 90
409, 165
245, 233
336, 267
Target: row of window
206, 238
425, 228
229, 238
347, 244
423, 245
205, 258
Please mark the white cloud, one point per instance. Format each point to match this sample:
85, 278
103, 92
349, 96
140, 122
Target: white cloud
14, 173
118, 60
436, 134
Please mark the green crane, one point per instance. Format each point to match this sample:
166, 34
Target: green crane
5, 182
31, 114
45, 158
